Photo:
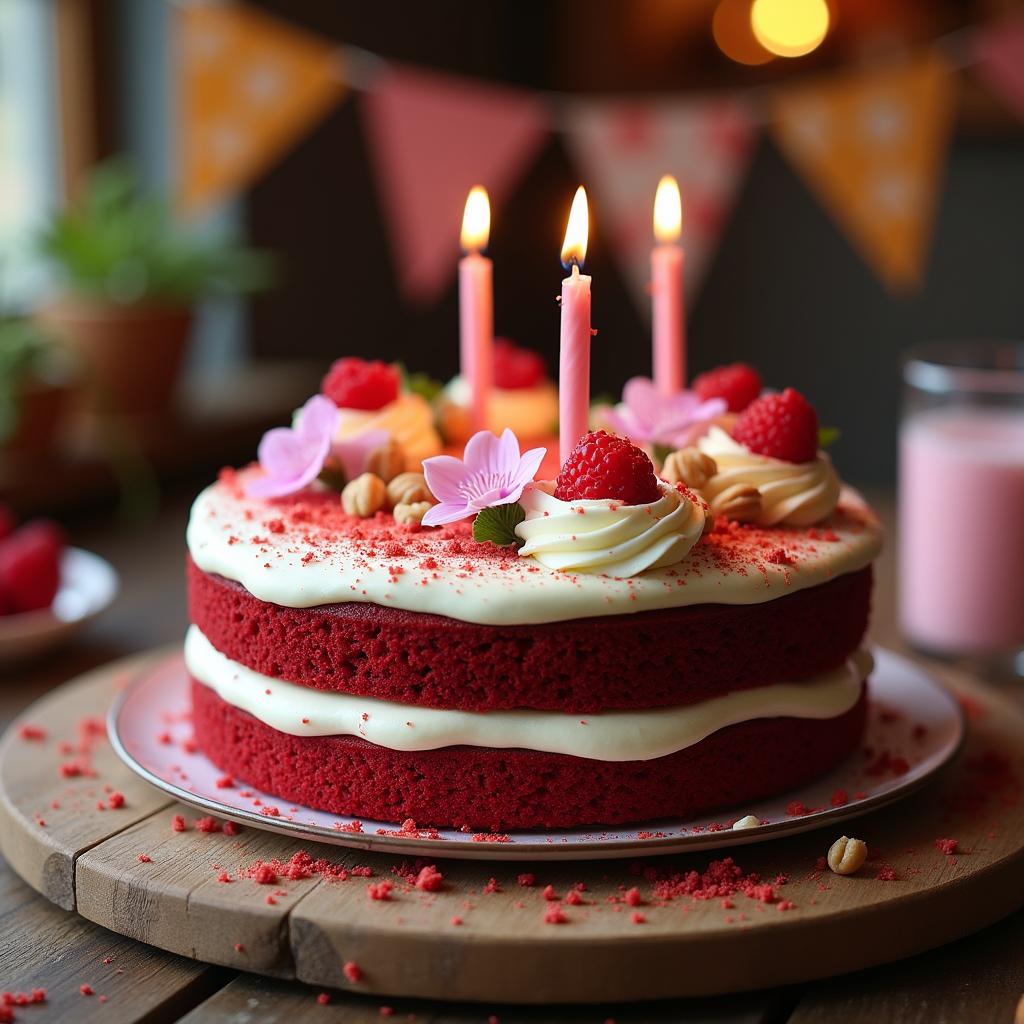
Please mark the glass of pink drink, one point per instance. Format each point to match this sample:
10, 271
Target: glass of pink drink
961, 504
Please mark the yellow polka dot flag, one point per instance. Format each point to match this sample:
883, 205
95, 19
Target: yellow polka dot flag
250, 85
871, 146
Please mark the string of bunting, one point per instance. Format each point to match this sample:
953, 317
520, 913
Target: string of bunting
869, 143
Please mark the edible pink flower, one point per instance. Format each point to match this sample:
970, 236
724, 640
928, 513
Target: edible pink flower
646, 416
292, 457
492, 471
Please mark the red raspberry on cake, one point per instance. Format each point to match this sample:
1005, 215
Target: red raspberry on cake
782, 426
30, 567
605, 466
739, 384
516, 368
353, 383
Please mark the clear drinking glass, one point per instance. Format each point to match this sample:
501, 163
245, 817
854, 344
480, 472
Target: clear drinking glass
961, 503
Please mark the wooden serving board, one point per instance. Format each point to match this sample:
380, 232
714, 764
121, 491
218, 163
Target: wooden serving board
468, 942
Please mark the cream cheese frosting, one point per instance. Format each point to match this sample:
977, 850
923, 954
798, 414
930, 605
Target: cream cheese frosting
609, 736
608, 537
792, 493
408, 419
325, 557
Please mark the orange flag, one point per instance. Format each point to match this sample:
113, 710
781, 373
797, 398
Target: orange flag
249, 86
871, 145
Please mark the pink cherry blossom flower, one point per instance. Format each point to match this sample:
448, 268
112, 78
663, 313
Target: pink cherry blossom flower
647, 416
492, 471
292, 457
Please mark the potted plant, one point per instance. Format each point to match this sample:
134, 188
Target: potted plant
130, 281
34, 386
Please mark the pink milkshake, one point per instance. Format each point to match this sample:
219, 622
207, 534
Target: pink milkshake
961, 519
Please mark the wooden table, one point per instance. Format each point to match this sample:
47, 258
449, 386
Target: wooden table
980, 978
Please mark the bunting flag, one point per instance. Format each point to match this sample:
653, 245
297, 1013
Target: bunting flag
623, 148
999, 52
250, 86
871, 146
433, 137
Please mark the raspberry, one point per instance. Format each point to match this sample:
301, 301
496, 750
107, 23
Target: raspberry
739, 384
516, 367
30, 566
353, 383
605, 466
780, 426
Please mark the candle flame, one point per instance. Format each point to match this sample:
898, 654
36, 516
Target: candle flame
668, 213
574, 248
476, 220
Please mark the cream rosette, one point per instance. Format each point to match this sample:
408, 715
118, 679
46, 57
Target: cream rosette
605, 536
792, 493
409, 420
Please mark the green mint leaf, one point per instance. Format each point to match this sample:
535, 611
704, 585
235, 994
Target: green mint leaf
828, 436
423, 384
498, 523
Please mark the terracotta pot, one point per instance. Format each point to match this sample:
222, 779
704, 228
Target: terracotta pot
41, 408
130, 356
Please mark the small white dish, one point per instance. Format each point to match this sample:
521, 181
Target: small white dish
912, 721
88, 586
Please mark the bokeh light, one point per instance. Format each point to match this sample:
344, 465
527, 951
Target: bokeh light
789, 28
734, 34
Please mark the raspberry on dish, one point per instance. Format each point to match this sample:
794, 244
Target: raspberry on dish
30, 566
353, 383
605, 466
782, 426
516, 367
739, 384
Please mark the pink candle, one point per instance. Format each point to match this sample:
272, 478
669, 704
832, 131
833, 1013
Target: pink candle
667, 315
574, 352
476, 307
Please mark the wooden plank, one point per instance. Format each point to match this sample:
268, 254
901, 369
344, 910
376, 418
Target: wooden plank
979, 979
42, 946
250, 998
47, 819
175, 900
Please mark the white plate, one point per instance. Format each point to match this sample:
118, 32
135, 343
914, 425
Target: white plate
88, 585
911, 717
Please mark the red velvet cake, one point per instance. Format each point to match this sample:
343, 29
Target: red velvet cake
472, 646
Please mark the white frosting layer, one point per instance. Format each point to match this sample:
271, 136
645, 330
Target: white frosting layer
610, 736
602, 536
792, 493
527, 412
228, 535
408, 419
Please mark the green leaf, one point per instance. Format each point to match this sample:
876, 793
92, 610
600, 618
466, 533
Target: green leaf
828, 436
423, 384
498, 523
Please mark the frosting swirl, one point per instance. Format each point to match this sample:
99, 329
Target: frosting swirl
608, 537
792, 493
408, 419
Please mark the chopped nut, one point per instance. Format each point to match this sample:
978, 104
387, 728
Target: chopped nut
386, 460
408, 489
364, 496
689, 466
740, 502
413, 512
846, 856
748, 821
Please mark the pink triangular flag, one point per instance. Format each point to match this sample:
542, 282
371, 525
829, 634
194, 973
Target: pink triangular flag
623, 148
433, 138
999, 51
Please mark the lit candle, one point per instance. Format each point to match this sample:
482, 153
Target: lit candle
574, 352
476, 306
667, 315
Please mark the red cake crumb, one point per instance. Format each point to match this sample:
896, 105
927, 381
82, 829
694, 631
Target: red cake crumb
637, 917
947, 846
144, 858
224, 877
32, 733
386, 1011
85, 989
379, 890
352, 971
840, 798
797, 809
6, 1015
573, 898
492, 886
786, 905
115, 800
633, 897
178, 823
555, 915
230, 828
239, 948
225, 782
323, 998
887, 873
429, 879
207, 824
265, 875
550, 894
456, 921
527, 879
